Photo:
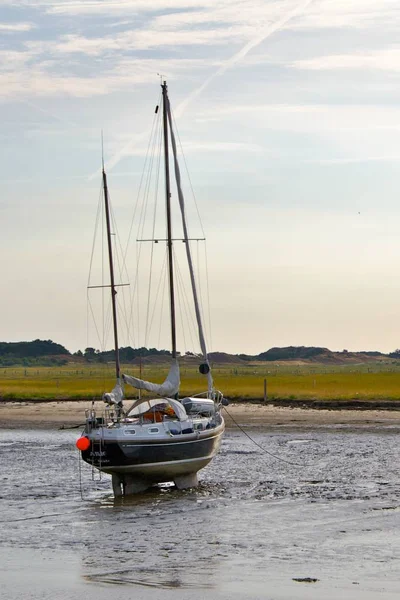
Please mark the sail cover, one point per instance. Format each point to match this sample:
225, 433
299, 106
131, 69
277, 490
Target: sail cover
142, 406
116, 396
169, 388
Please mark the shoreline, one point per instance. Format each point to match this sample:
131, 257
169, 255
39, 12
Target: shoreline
69, 414
303, 403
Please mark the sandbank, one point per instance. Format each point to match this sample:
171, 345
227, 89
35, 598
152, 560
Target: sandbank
69, 414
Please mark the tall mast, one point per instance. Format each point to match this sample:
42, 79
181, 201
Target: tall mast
113, 290
169, 224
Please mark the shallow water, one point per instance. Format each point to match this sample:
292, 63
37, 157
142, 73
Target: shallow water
255, 525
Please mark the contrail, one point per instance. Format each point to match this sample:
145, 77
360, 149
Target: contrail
256, 41
266, 33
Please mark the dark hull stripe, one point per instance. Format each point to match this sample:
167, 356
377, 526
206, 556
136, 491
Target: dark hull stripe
124, 456
162, 471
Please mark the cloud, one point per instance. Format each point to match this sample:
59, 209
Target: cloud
192, 147
215, 24
256, 40
326, 134
325, 14
253, 13
23, 74
15, 27
354, 160
39, 83
147, 39
123, 7
383, 60
221, 147
352, 14
310, 117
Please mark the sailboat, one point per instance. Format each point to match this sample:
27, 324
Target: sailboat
163, 438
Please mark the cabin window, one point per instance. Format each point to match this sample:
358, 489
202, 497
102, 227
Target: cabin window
153, 430
130, 431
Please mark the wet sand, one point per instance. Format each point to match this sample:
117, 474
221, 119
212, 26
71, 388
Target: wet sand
48, 415
316, 517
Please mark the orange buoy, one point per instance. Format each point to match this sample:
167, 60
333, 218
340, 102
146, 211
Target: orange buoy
83, 443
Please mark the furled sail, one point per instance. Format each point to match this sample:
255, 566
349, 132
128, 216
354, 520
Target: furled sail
169, 388
188, 253
116, 396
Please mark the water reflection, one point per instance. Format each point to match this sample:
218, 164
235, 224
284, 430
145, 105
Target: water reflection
253, 518
162, 538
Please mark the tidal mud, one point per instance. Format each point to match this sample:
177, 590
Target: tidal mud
315, 514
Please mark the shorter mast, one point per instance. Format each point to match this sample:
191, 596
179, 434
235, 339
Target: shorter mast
112, 281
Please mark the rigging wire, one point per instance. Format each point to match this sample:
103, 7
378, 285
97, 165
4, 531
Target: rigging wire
209, 336
90, 309
144, 208
261, 447
135, 290
157, 179
99, 211
199, 285
122, 272
155, 119
162, 298
103, 315
188, 313
181, 303
98, 214
208, 297
161, 282
155, 135
187, 173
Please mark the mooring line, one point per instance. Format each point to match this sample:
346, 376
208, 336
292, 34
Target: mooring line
261, 447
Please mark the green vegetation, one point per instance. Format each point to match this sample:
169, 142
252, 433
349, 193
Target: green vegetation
125, 354
47, 352
373, 381
43, 352
44, 370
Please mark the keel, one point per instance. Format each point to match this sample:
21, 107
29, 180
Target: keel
117, 485
134, 486
125, 485
183, 482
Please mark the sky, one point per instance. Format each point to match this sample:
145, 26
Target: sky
289, 117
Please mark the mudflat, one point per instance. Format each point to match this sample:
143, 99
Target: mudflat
316, 515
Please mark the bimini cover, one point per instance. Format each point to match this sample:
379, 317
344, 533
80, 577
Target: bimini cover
114, 397
169, 388
143, 406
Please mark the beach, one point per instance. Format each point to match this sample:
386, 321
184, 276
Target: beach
65, 414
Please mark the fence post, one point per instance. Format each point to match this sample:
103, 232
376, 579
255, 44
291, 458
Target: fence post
265, 390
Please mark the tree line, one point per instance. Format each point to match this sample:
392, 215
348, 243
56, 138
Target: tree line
47, 352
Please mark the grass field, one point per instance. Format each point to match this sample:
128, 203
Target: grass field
375, 381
